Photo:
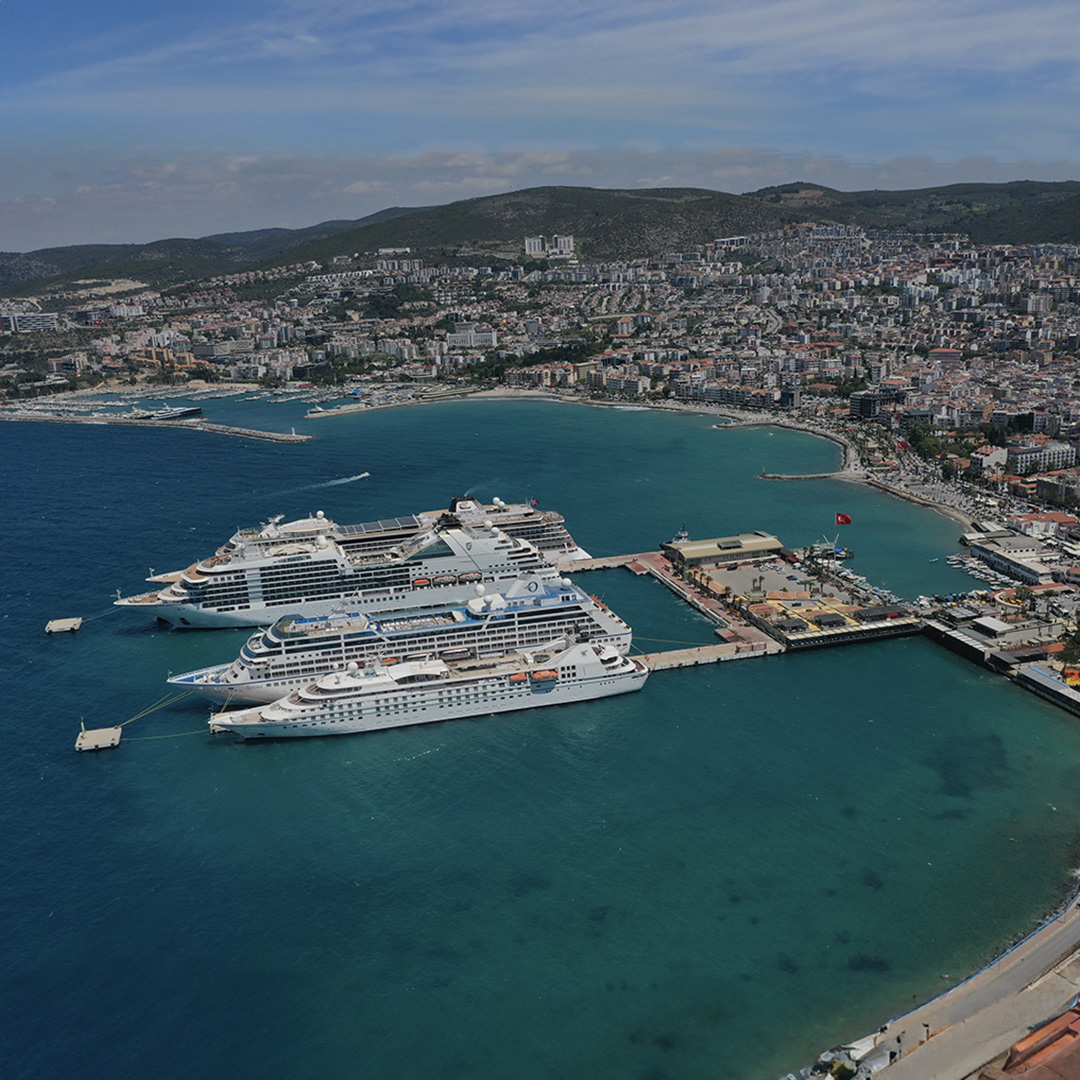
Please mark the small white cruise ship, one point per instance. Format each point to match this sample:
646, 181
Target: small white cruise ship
296, 650
427, 691
254, 584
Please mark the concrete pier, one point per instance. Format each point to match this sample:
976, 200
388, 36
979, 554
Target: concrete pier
707, 654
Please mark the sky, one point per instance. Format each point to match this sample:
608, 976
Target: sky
125, 121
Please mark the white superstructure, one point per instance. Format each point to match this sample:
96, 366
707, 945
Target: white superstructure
304, 571
295, 651
427, 691
542, 528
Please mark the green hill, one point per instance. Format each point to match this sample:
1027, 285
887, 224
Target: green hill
1022, 212
166, 262
607, 224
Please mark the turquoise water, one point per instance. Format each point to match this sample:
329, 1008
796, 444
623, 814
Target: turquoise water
719, 876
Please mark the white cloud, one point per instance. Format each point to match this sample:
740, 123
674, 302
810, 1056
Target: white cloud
138, 200
337, 108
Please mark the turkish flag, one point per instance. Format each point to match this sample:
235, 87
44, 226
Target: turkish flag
843, 519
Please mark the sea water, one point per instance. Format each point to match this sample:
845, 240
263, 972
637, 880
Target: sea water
719, 876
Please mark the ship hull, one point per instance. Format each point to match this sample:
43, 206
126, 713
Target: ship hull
204, 682
412, 715
403, 599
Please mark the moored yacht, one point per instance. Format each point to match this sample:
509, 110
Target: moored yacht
426, 691
296, 650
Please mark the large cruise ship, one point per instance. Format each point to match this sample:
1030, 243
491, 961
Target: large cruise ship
295, 651
427, 691
255, 583
542, 528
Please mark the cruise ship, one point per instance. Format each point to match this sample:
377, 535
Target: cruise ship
426, 691
295, 650
542, 528
254, 584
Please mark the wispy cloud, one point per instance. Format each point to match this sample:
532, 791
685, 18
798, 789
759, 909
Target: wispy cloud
198, 195
420, 82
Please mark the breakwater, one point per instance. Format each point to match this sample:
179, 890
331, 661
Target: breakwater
191, 425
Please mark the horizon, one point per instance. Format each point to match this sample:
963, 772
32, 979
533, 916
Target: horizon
131, 122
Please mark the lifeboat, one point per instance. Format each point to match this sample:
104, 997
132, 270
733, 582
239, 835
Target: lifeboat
518, 676
447, 579
389, 659
421, 581
472, 575
544, 676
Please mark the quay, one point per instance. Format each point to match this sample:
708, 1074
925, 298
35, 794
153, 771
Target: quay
742, 584
741, 639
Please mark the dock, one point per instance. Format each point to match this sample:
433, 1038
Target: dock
98, 738
707, 654
62, 626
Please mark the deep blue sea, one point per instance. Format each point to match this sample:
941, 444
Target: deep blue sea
717, 877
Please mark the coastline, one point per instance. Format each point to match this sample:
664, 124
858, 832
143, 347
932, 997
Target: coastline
849, 470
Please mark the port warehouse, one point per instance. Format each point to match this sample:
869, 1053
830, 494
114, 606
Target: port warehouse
724, 549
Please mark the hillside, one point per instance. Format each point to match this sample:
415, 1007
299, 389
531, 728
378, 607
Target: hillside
165, 262
606, 224
1021, 212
